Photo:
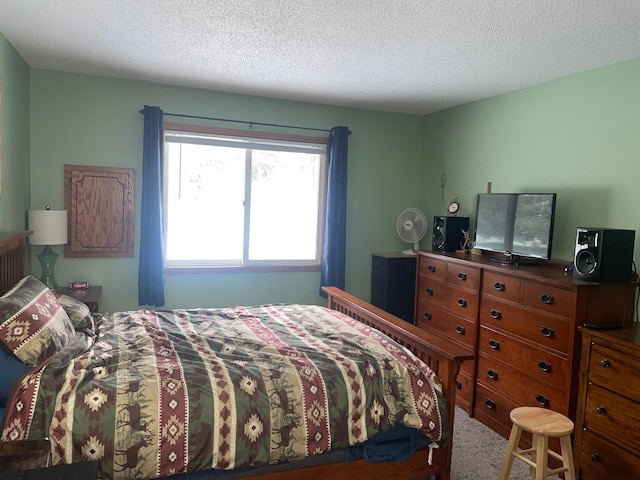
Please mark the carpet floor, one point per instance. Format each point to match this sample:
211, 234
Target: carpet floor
478, 452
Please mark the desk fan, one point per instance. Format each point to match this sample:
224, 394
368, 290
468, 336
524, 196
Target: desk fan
411, 227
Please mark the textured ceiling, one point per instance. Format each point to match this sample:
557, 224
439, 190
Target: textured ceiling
412, 56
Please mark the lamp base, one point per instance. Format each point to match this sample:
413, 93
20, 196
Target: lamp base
47, 259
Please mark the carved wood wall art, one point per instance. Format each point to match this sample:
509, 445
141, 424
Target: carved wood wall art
100, 205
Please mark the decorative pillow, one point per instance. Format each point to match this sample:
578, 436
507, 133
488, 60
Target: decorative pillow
33, 325
78, 313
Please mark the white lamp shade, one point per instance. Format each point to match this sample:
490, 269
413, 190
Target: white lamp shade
49, 227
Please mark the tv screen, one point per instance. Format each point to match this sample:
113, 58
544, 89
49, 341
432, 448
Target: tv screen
516, 224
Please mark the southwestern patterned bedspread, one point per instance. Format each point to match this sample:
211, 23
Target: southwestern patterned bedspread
149, 394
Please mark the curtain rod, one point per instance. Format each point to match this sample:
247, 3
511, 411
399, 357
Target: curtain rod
251, 124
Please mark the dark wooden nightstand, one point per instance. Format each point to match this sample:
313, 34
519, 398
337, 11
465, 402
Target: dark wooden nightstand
25, 454
89, 296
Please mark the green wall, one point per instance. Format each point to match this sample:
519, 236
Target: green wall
578, 136
15, 194
90, 120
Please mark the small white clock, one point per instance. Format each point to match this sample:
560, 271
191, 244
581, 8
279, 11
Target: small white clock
454, 207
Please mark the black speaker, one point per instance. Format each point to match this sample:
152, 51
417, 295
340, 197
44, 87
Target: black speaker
448, 233
603, 255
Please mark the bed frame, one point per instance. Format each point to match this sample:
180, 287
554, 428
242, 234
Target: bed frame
444, 358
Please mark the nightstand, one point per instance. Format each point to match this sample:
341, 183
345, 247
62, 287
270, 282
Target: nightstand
89, 296
25, 454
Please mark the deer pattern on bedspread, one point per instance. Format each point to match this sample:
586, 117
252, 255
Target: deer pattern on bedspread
155, 393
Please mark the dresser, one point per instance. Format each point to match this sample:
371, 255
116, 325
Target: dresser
607, 438
521, 324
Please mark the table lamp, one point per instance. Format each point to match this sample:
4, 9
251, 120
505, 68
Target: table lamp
49, 228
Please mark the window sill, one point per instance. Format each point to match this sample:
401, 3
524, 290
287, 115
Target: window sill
191, 270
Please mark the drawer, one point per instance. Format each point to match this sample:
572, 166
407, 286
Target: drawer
601, 460
457, 300
607, 412
540, 364
432, 268
462, 275
615, 370
501, 286
509, 382
493, 409
544, 330
464, 392
549, 299
453, 327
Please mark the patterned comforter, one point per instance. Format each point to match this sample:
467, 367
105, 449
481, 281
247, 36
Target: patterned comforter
152, 393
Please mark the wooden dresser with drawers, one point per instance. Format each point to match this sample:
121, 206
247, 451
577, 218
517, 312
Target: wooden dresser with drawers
607, 435
522, 324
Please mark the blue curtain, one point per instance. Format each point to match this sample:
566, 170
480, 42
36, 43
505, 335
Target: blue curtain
335, 230
151, 266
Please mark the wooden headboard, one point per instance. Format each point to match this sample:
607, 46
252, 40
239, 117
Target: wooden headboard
13, 257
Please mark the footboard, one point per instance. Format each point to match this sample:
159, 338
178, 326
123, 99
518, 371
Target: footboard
443, 357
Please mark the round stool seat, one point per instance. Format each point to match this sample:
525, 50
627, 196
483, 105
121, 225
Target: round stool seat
541, 421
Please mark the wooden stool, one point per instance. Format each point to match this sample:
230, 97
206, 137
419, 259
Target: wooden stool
542, 423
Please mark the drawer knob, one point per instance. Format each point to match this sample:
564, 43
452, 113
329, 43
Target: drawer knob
492, 374
427, 315
595, 457
431, 268
544, 366
499, 286
462, 303
458, 385
497, 314
460, 329
494, 344
490, 403
547, 332
428, 291
542, 400
605, 363
601, 410
546, 299
462, 276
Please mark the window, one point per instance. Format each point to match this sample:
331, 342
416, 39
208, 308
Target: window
243, 199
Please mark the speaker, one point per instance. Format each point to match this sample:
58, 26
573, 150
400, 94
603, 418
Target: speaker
448, 233
603, 255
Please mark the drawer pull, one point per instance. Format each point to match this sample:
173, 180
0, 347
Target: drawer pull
494, 344
458, 385
429, 291
462, 276
547, 332
595, 457
605, 363
544, 366
492, 374
460, 329
431, 268
427, 315
546, 299
601, 410
462, 303
542, 400
497, 314
490, 403
499, 286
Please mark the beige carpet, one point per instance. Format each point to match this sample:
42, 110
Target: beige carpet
478, 452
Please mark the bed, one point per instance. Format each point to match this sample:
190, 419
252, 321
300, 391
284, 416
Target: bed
271, 391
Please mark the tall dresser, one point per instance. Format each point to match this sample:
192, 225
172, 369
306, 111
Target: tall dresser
521, 324
607, 438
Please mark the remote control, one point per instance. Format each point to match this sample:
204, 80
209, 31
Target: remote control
601, 326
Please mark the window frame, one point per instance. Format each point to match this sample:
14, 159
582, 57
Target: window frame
257, 266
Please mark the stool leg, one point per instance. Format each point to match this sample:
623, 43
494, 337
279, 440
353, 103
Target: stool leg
532, 469
542, 456
567, 458
512, 446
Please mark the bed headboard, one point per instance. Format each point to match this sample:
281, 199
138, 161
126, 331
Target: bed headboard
13, 257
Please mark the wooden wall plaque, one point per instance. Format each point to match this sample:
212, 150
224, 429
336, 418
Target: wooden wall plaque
100, 208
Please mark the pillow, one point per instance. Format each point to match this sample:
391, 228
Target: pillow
11, 369
78, 313
33, 325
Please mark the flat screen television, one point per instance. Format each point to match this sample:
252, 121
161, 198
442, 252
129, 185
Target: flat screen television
518, 225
